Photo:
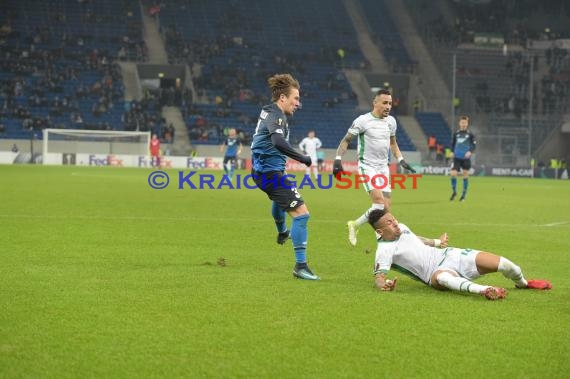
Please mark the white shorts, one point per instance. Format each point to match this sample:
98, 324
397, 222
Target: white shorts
461, 261
378, 177
313, 161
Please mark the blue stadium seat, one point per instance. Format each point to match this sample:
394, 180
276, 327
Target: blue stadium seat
434, 123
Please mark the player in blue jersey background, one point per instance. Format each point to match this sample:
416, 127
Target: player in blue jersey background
269, 150
463, 147
232, 144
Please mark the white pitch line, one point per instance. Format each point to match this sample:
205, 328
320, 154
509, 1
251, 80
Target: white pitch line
556, 223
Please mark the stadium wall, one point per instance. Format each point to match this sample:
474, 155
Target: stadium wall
210, 157
412, 157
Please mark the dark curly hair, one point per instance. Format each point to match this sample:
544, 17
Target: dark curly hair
376, 215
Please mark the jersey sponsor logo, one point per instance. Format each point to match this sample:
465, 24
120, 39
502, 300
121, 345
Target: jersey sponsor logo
461, 139
263, 115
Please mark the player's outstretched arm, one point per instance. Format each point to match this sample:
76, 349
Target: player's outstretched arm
382, 283
284, 147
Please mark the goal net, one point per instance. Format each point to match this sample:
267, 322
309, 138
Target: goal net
60, 145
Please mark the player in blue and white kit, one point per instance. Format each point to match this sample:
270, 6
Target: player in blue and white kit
233, 149
270, 149
463, 146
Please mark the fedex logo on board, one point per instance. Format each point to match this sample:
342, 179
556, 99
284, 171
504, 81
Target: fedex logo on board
207, 163
109, 160
145, 162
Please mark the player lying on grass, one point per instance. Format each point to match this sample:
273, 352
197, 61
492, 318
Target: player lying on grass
432, 262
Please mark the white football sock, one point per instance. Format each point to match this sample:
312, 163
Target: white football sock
458, 283
364, 218
512, 271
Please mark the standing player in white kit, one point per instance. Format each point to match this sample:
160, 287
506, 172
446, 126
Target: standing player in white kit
376, 131
309, 146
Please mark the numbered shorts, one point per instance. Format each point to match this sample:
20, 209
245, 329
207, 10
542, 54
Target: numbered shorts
462, 261
378, 177
279, 188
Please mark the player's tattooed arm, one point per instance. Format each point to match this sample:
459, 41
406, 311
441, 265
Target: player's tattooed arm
343, 146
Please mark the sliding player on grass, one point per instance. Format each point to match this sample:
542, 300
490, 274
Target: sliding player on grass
432, 262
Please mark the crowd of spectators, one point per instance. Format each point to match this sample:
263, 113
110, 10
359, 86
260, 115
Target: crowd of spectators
230, 85
232, 53
145, 115
515, 21
207, 125
40, 85
234, 71
55, 76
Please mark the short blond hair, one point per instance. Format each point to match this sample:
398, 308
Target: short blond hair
281, 84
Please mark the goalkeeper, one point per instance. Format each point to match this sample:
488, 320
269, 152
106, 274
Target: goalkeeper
376, 131
432, 262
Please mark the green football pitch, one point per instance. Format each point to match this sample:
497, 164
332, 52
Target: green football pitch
102, 276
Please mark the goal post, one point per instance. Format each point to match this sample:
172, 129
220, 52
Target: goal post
58, 143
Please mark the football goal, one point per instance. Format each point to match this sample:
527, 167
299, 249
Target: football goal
66, 142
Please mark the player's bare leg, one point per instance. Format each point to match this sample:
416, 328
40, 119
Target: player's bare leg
488, 262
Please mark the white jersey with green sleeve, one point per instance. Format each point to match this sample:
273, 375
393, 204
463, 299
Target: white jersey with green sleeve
373, 138
408, 255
